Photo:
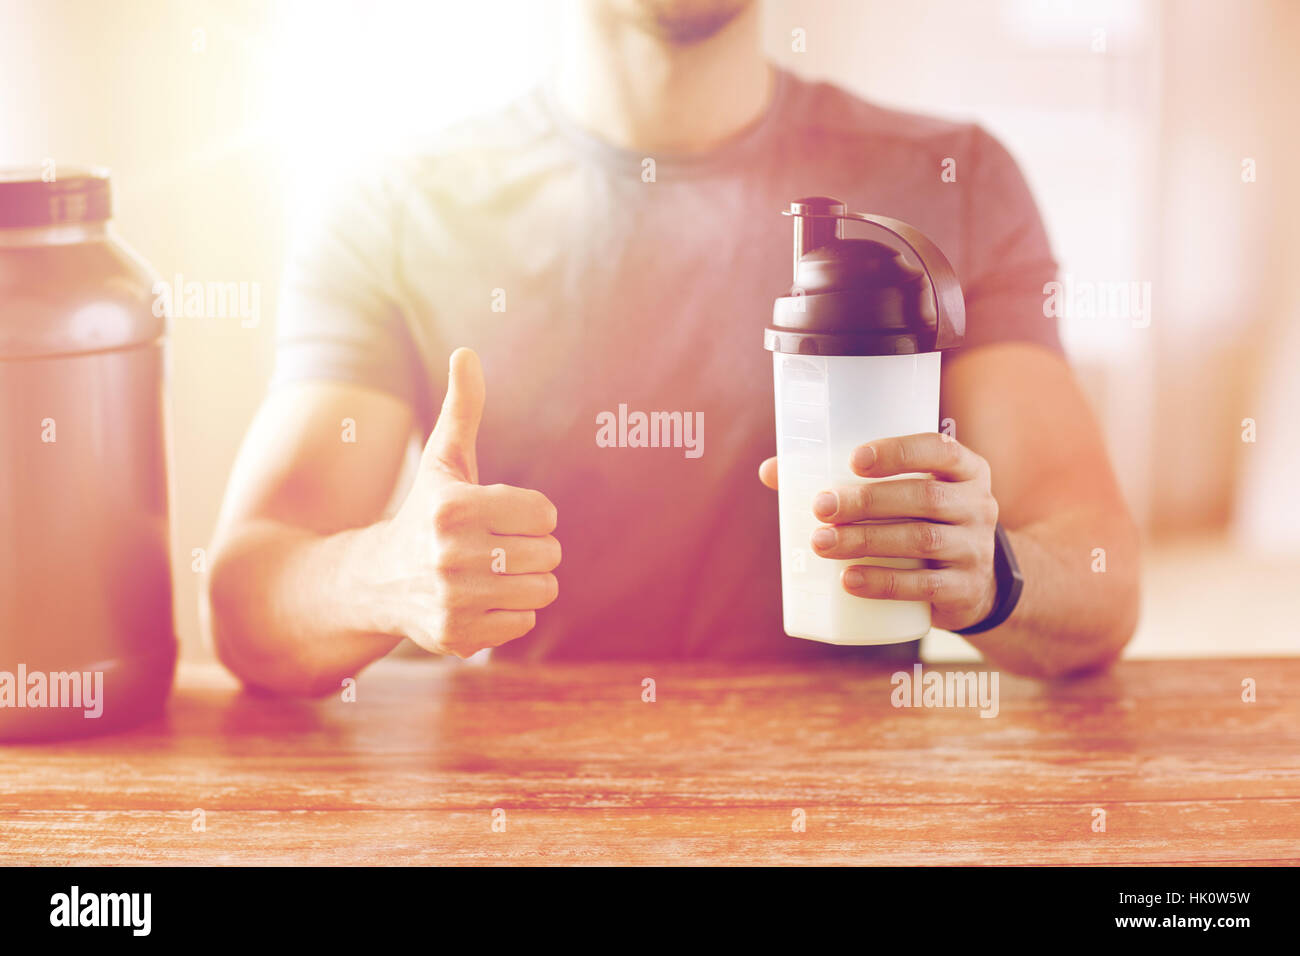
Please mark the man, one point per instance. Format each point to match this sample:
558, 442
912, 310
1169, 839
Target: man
614, 240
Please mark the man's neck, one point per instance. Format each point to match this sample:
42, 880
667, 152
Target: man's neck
640, 92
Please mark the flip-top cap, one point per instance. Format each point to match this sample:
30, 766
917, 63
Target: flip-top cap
860, 296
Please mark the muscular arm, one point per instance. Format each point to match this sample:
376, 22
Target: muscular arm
1020, 408
294, 548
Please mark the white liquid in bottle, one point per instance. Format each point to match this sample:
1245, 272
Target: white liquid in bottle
825, 407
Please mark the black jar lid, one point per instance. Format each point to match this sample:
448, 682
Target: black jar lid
73, 194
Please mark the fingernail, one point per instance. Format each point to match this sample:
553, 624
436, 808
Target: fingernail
824, 538
826, 503
854, 578
864, 456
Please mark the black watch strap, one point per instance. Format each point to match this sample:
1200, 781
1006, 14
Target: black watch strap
1009, 581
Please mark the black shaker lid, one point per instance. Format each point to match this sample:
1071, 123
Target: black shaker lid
860, 296
75, 194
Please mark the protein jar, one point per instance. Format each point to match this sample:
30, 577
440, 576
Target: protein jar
86, 635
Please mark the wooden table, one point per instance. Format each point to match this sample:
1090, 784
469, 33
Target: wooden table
575, 767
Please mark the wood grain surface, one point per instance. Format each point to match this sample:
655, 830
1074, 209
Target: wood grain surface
714, 770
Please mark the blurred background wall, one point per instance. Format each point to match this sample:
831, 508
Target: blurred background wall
1136, 122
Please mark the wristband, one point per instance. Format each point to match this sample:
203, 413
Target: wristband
1009, 580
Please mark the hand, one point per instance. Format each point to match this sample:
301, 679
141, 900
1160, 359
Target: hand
465, 566
950, 520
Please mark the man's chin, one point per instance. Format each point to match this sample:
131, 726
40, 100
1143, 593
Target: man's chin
683, 22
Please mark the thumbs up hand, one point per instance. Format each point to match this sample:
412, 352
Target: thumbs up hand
469, 565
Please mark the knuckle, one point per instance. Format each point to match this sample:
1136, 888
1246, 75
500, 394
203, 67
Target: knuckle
445, 565
455, 638
991, 510
935, 496
450, 513
527, 622
849, 539
864, 497
547, 512
520, 624
931, 585
929, 537
548, 588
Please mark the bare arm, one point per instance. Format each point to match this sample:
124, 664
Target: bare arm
1021, 409
1027, 453
291, 555
308, 584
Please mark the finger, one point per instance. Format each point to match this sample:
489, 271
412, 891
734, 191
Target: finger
767, 473
928, 498
892, 584
929, 452
904, 539
505, 509
521, 592
501, 627
518, 554
450, 451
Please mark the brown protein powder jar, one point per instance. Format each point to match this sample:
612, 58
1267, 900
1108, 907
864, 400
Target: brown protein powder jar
86, 635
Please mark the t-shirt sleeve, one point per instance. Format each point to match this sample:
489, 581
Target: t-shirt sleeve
339, 318
1009, 259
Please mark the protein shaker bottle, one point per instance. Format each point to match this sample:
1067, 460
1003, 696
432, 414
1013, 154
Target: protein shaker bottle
86, 636
856, 354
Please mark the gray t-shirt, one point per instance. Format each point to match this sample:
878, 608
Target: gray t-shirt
584, 287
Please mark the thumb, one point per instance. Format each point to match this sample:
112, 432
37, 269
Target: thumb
450, 450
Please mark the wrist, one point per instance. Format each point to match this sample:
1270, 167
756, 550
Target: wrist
988, 600
364, 581
1008, 584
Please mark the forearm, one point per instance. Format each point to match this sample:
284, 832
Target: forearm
289, 609
1079, 606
